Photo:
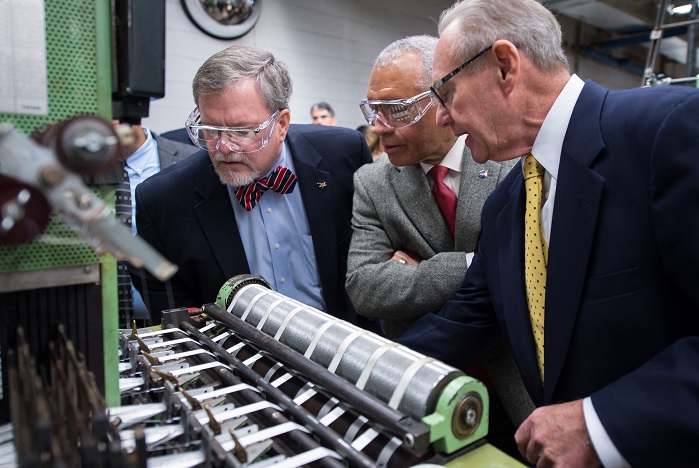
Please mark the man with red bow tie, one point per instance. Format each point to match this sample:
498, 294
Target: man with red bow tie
265, 197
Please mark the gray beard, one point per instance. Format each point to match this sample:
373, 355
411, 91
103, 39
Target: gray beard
234, 179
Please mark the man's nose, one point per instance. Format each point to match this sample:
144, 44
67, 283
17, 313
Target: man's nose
380, 128
443, 117
222, 146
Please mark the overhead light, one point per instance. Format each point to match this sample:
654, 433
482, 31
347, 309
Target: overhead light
679, 9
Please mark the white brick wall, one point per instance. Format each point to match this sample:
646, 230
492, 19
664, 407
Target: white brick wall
329, 47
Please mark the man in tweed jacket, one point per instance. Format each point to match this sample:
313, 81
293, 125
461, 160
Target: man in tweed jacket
395, 216
403, 260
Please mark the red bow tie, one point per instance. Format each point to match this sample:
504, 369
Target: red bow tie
281, 180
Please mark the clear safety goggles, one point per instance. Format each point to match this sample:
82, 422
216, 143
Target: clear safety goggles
397, 113
237, 139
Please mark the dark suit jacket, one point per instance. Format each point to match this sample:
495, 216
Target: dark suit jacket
179, 135
185, 213
622, 295
170, 152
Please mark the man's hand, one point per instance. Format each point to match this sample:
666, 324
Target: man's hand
556, 435
405, 258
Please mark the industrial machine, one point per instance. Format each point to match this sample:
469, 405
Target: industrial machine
258, 379
255, 379
69, 71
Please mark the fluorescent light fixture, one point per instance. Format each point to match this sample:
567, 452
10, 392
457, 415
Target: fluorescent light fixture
679, 9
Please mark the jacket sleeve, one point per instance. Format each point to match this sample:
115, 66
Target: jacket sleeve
652, 413
380, 287
157, 295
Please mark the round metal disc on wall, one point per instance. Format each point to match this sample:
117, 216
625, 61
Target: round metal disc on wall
223, 19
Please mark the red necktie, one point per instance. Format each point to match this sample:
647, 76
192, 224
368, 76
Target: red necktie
281, 180
446, 199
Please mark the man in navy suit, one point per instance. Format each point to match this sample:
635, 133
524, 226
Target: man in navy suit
616, 376
266, 197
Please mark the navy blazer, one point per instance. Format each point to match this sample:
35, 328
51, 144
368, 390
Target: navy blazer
185, 213
622, 293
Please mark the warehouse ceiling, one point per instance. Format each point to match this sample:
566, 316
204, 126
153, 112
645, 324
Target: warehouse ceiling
618, 31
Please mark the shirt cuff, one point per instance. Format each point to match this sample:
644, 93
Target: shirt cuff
601, 443
469, 258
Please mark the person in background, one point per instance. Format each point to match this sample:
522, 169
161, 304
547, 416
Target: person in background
372, 140
410, 251
588, 262
144, 157
323, 114
264, 197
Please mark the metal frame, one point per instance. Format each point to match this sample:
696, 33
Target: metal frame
656, 36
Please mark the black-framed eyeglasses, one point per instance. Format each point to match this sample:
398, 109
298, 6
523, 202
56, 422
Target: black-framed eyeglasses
453, 73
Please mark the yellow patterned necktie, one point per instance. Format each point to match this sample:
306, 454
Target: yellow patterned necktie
535, 254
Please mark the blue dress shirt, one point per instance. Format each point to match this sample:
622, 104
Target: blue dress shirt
278, 243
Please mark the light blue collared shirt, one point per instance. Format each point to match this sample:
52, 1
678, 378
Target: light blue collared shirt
277, 241
143, 163
547, 150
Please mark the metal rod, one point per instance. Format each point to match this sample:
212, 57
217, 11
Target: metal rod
678, 24
656, 36
689, 79
411, 432
327, 435
349, 424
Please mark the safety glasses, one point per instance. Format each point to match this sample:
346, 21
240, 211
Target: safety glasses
396, 113
237, 139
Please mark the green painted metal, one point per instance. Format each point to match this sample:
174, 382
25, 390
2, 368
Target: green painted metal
77, 84
78, 62
444, 435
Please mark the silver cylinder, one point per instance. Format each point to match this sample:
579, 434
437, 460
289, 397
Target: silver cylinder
407, 381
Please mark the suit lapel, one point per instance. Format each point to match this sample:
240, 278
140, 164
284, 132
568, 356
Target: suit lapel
510, 243
578, 195
217, 222
473, 192
167, 155
316, 187
408, 182
169, 152
577, 203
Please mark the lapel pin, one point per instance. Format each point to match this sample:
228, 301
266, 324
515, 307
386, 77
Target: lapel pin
483, 174
322, 184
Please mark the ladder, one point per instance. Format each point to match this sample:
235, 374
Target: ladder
656, 35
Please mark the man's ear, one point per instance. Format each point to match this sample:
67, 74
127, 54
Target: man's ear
283, 122
508, 62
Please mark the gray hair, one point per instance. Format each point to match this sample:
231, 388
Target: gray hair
530, 26
422, 46
225, 68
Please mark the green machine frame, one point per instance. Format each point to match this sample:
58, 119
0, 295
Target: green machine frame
57, 272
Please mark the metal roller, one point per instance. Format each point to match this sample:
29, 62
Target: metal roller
451, 403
